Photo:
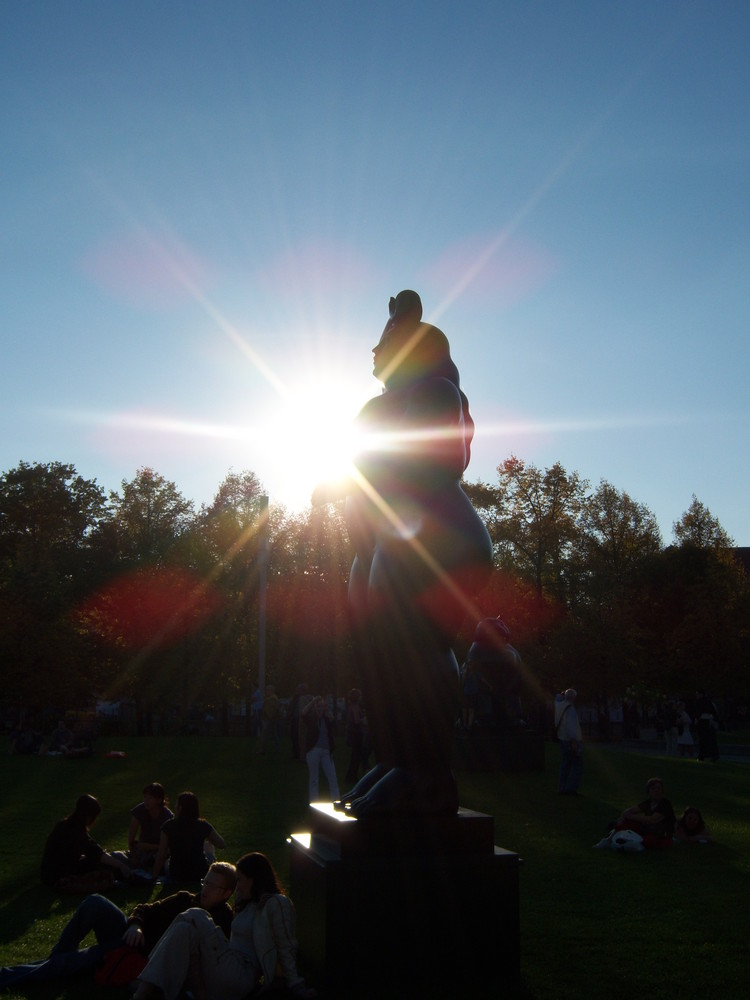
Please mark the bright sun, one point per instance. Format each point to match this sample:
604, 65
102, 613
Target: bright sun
312, 440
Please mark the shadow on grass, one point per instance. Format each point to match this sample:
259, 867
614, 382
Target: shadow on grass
20, 911
33, 904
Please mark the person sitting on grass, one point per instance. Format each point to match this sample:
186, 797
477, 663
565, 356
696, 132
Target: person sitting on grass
653, 818
192, 955
141, 930
146, 821
72, 859
184, 840
691, 828
61, 740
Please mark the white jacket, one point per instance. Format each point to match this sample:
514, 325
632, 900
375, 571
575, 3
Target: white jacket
274, 939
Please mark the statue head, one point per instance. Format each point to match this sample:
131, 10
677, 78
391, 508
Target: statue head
408, 349
405, 307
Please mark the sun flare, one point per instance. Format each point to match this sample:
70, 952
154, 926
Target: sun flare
312, 440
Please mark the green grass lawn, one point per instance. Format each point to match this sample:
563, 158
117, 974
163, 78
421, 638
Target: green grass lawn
594, 924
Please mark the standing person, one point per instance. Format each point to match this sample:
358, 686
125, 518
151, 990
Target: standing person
193, 955
182, 840
685, 742
72, 858
142, 929
319, 728
568, 730
147, 819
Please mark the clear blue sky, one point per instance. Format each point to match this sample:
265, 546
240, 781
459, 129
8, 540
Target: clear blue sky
206, 206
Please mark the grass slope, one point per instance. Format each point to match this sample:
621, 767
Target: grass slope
594, 924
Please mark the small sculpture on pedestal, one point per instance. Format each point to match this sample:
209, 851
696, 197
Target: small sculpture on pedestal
497, 667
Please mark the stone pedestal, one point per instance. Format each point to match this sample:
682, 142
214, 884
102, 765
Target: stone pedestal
417, 901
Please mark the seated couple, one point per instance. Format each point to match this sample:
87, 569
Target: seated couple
655, 821
193, 941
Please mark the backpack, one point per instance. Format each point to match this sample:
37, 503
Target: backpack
120, 966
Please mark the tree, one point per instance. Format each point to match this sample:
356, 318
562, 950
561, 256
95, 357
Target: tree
229, 535
47, 512
150, 515
48, 517
699, 527
533, 520
619, 535
619, 538
150, 599
694, 606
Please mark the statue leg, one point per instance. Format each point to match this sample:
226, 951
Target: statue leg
411, 700
413, 611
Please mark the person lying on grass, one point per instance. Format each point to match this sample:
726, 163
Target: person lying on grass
142, 929
193, 956
691, 828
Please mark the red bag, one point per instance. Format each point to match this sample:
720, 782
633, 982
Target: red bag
120, 966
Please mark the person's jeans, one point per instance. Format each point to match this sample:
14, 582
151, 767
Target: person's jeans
319, 757
571, 768
97, 914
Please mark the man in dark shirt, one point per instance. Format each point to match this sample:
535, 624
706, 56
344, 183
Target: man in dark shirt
142, 929
653, 818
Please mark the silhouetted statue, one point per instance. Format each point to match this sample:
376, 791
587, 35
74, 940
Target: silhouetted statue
422, 554
498, 666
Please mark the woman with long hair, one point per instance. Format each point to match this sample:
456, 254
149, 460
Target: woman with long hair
193, 954
691, 828
72, 853
183, 840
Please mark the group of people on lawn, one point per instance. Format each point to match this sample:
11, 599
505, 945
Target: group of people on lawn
655, 822
653, 819
186, 940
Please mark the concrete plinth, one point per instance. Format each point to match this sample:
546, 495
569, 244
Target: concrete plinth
381, 903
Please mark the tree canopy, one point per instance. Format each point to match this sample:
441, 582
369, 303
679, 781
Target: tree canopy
139, 595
